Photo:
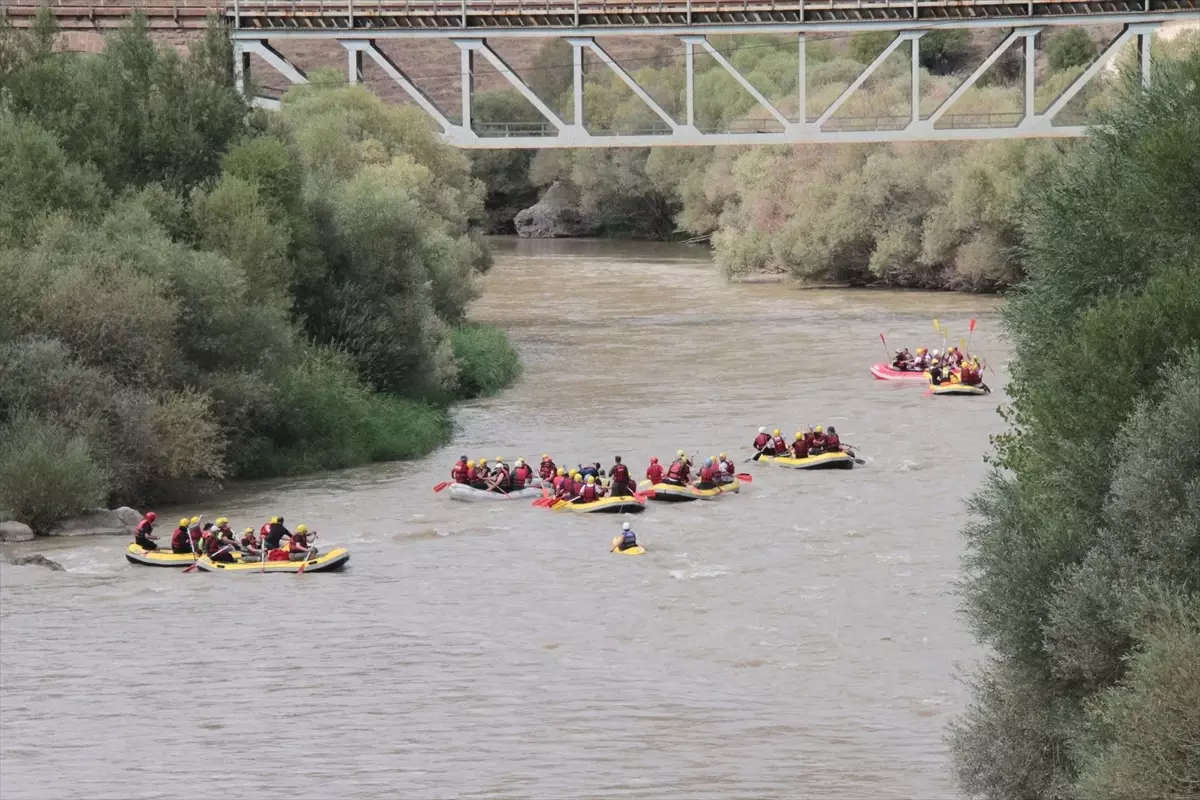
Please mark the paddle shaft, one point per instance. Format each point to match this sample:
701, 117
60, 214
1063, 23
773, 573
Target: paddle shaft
196, 563
304, 563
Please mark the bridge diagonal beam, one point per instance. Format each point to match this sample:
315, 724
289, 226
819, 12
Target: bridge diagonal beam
643, 95
469, 46
900, 39
393, 71
719, 57
1101, 60
974, 77
242, 50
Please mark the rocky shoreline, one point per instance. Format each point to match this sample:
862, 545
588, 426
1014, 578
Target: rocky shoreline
98, 522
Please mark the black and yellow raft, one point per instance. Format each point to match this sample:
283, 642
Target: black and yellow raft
605, 505
959, 388
332, 561
834, 460
636, 550
136, 554
673, 493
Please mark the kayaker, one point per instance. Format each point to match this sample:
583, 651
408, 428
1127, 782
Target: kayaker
275, 534
800, 446
591, 491
819, 442
706, 480
143, 534
654, 472
458, 473
833, 442
777, 446
679, 472
622, 486
522, 474
500, 480
250, 544
628, 537
299, 545
212, 546
762, 440
547, 470
180, 539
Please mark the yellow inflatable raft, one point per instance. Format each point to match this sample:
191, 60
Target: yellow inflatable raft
135, 554
325, 562
636, 550
605, 505
837, 460
959, 388
670, 493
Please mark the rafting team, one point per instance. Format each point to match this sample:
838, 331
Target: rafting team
217, 540
940, 366
588, 483
813, 442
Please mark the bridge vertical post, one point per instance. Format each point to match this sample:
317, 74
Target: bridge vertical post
354, 65
1143, 44
350, 14
237, 15
241, 68
577, 80
576, 13
468, 85
689, 12
802, 82
915, 44
689, 64
1030, 74
464, 14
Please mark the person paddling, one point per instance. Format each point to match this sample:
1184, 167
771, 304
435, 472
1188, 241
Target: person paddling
547, 470
275, 534
143, 534
628, 538
250, 544
298, 548
212, 547
800, 446
500, 479
591, 491
762, 440
522, 474
180, 544
654, 472
706, 479
777, 446
679, 472
621, 486
459, 473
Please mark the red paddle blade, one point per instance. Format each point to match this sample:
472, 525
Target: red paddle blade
883, 340
971, 327
745, 477
441, 486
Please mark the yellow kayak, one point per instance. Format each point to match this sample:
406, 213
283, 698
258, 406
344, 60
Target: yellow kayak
670, 493
838, 460
325, 562
636, 550
605, 505
136, 554
959, 388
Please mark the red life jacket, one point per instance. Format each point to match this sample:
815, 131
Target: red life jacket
833, 442
655, 473
808, 438
727, 465
547, 470
459, 473
300, 541
558, 481
800, 448
179, 538
249, 541
277, 555
505, 478
144, 528
522, 474
589, 493
706, 474
264, 530
819, 441
779, 444
619, 473
677, 472
577, 486
761, 441
472, 475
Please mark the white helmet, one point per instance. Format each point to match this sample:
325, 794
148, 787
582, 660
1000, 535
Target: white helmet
935, 353
625, 526
520, 461
762, 430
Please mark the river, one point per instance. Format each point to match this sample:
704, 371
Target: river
797, 640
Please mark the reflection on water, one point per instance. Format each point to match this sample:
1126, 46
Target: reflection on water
798, 640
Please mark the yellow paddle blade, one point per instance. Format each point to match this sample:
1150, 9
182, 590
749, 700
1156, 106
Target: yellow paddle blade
936, 326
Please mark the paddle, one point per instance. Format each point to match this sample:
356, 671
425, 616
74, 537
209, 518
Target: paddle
745, 477
304, 563
442, 485
195, 564
970, 330
887, 355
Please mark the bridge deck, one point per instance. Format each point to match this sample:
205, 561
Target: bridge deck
481, 15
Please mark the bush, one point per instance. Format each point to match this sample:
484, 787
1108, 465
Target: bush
47, 474
486, 361
1070, 48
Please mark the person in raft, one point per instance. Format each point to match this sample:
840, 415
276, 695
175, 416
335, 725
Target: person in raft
211, 546
706, 479
777, 446
903, 360
273, 536
548, 469
970, 374
180, 541
143, 534
250, 544
654, 472
762, 440
522, 474
299, 549
500, 479
628, 537
800, 446
592, 491
621, 485
819, 443
728, 471
679, 472
458, 473
195, 532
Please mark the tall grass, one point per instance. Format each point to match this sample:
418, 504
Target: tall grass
486, 361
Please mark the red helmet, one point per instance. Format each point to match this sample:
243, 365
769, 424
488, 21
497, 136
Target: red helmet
151, 516
653, 459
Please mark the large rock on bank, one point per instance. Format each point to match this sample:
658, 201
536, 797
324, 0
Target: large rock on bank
13, 531
38, 560
101, 522
556, 215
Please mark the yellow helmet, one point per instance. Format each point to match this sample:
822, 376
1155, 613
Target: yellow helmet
302, 528
183, 523
194, 521
482, 461
819, 429
545, 456
776, 433
590, 480
249, 531
681, 454
723, 456
921, 351
562, 471
274, 520
499, 460
799, 434
222, 521
470, 464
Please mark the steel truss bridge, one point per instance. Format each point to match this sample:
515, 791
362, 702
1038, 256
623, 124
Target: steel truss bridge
359, 25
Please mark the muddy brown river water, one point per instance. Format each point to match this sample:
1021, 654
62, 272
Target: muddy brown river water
799, 640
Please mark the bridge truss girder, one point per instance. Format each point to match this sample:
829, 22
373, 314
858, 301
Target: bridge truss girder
939, 125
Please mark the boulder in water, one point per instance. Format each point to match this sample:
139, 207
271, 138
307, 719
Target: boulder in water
38, 560
556, 215
13, 531
99, 522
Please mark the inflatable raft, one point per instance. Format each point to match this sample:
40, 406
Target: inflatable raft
670, 493
605, 505
334, 560
636, 550
135, 554
469, 494
824, 461
959, 388
886, 372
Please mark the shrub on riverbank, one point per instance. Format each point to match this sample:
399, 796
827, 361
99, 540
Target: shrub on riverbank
486, 361
191, 294
1084, 571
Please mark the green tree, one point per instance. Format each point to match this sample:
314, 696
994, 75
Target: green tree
1070, 48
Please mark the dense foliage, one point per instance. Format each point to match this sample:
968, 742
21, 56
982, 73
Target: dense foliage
193, 291
1084, 553
940, 215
